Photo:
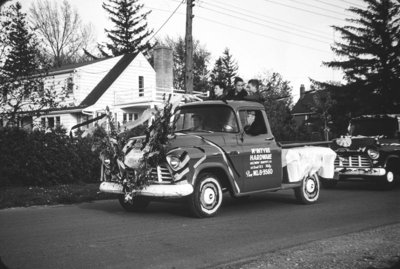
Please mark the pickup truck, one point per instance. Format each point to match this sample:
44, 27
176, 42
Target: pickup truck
217, 147
370, 151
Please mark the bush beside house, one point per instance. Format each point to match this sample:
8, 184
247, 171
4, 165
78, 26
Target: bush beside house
42, 158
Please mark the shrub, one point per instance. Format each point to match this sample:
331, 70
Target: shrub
41, 158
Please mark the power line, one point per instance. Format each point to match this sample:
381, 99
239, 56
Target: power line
247, 31
305, 10
262, 35
317, 7
233, 16
350, 3
330, 4
166, 21
315, 33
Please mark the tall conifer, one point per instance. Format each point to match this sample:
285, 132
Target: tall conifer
130, 33
369, 55
225, 70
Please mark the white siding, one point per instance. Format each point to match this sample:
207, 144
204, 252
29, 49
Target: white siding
126, 87
59, 83
89, 76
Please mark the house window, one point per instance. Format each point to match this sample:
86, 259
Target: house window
135, 116
51, 122
141, 86
129, 117
41, 89
70, 85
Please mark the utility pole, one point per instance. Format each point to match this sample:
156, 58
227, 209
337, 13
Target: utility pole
189, 47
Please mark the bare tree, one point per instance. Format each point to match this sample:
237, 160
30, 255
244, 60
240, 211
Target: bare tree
60, 27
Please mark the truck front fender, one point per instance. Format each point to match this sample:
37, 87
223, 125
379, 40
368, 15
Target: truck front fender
221, 171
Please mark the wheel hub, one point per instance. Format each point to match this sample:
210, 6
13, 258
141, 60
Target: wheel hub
389, 177
209, 196
310, 186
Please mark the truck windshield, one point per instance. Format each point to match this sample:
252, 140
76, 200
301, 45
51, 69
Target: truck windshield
206, 119
374, 127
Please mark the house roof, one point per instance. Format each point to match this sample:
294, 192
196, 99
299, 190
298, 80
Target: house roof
108, 80
305, 102
70, 67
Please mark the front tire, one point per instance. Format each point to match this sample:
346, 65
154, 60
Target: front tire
308, 192
388, 181
207, 196
137, 203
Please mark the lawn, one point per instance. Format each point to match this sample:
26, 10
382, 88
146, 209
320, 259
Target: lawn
62, 194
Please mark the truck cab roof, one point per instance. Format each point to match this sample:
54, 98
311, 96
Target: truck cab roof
235, 105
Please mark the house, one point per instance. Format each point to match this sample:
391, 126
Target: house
301, 111
304, 113
127, 84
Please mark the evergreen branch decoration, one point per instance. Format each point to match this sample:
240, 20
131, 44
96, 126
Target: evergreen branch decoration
111, 143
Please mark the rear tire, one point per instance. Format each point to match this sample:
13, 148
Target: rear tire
308, 192
207, 197
137, 204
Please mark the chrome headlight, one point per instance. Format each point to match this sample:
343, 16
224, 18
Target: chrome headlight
174, 162
373, 154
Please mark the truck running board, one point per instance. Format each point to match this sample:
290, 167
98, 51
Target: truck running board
290, 185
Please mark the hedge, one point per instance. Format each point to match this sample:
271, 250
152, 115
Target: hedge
41, 158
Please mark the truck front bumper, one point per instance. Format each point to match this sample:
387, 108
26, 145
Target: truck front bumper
344, 171
154, 190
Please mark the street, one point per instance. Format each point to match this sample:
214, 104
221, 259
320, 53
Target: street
103, 235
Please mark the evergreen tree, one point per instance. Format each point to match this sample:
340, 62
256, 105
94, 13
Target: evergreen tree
21, 82
130, 33
225, 70
369, 55
278, 102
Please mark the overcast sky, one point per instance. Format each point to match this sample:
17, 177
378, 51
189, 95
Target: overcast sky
291, 37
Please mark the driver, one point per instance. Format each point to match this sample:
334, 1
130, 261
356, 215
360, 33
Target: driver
253, 126
197, 122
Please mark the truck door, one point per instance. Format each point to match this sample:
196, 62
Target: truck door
260, 155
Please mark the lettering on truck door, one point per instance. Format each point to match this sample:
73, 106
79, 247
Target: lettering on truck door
260, 155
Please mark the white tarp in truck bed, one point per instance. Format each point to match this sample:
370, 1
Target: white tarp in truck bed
303, 161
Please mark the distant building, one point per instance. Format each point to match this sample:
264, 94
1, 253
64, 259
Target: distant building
127, 84
301, 111
304, 115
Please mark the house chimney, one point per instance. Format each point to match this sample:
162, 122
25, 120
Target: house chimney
163, 65
302, 90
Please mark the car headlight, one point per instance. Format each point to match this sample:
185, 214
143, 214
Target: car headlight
373, 154
174, 162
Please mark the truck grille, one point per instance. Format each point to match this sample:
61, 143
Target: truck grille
353, 161
161, 174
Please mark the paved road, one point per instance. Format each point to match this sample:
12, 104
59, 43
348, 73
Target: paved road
102, 235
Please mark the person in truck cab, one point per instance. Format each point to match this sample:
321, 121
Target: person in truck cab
197, 122
254, 123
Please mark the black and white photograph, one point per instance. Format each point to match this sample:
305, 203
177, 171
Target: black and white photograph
200, 134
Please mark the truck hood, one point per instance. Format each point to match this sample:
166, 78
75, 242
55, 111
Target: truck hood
183, 140
360, 143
